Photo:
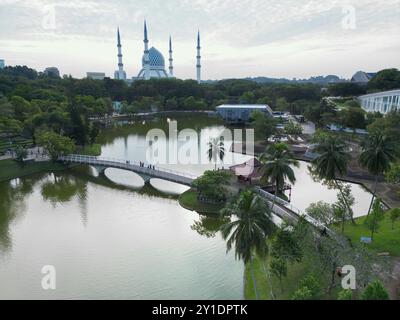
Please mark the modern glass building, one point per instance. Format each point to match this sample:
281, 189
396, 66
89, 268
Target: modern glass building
382, 102
2, 64
241, 113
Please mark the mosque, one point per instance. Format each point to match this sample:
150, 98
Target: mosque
153, 62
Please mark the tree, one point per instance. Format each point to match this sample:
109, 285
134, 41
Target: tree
385, 80
322, 212
293, 129
302, 294
345, 201
378, 152
393, 174
345, 294
249, 233
10, 127
394, 215
285, 245
346, 89
312, 283
216, 150
282, 104
55, 144
22, 108
21, 154
373, 220
375, 291
212, 185
388, 126
264, 126
277, 162
94, 132
331, 162
353, 118
278, 267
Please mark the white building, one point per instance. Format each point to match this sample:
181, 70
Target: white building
2, 64
153, 62
96, 75
382, 102
241, 113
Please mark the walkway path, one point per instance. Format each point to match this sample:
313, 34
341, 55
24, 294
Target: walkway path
145, 170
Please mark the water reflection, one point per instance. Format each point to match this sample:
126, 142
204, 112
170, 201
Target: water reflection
12, 205
62, 188
208, 226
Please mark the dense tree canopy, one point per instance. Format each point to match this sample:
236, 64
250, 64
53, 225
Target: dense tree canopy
385, 80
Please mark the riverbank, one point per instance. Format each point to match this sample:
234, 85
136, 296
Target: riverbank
388, 192
188, 200
11, 169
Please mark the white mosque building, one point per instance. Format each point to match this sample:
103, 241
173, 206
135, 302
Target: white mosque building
153, 62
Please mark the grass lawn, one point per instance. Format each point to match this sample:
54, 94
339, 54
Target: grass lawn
291, 283
10, 169
90, 150
385, 240
188, 200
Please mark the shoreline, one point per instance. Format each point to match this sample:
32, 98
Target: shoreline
384, 190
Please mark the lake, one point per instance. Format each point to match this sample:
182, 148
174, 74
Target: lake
110, 238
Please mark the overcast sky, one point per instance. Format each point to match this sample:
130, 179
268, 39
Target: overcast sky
240, 38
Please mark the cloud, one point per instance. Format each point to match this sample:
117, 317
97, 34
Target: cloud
247, 33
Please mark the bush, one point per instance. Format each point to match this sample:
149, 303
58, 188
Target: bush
302, 294
313, 285
375, 291
345, 295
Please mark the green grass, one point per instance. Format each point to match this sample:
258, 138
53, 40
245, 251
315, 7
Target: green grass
385, 240
10, 169
188, 200
290, 284
90, 150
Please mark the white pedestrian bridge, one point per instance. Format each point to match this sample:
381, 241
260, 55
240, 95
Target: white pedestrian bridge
145, 171
283, 209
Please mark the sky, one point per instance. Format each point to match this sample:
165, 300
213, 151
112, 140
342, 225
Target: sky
240, 38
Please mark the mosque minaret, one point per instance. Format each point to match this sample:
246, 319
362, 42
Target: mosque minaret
153, 62
120, 74
198, 65
171, 60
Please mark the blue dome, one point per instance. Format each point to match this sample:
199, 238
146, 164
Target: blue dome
156, 58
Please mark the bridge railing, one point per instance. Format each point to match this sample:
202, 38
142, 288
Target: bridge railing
290, 207
123, 164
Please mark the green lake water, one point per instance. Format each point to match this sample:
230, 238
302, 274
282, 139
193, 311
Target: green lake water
109, 238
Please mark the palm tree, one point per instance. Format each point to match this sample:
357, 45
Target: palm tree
378, 151
248, 234
216, 149
277, 165
332, 161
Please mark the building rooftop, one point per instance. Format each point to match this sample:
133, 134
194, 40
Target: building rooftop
382, 93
